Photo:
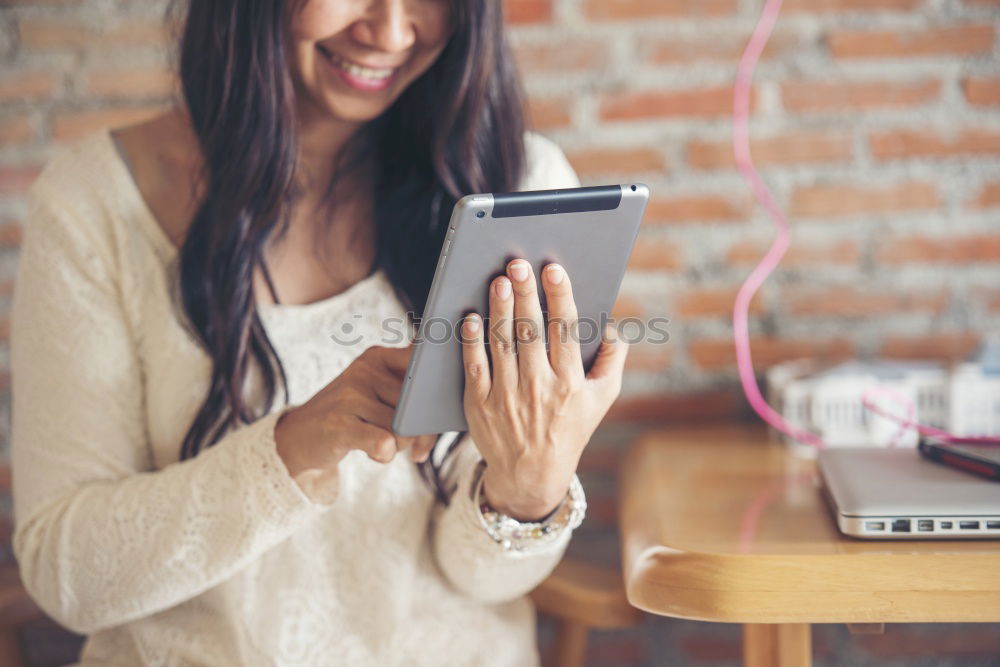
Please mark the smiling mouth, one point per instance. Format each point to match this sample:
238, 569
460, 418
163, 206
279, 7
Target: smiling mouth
355, 70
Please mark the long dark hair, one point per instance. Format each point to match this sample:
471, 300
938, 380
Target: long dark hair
457, 129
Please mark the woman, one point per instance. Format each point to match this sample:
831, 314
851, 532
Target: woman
179, 276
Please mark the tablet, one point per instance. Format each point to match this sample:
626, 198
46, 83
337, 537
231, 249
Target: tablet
590, 231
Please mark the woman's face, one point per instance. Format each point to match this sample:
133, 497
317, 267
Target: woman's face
351, 59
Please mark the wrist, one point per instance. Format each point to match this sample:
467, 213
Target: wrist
522, 508
524, 535
318, 483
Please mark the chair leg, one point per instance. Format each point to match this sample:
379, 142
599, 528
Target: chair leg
777, 645
570, 646
10, 648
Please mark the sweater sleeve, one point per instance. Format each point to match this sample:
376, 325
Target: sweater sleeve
470, 559
468, 556
101, 538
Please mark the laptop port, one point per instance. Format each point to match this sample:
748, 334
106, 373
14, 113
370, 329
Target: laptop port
901, 526
926, 525
946, 525
968, 525
874, 525
993, 525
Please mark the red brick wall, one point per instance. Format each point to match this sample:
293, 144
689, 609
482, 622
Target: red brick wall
875, 122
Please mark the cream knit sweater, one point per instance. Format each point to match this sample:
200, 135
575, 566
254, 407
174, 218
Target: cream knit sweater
221, 559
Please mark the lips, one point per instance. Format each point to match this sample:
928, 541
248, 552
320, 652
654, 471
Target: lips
374, 75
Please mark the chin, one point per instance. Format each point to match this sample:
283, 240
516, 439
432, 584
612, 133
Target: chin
355, 111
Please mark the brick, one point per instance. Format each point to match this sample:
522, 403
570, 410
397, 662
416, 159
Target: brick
989, 196
790, 148
818, 6
846, 200
45, 33
947, 250
71, 125
797, 255
712, 302
618, 161
16, 179
765, 352
549, 113
929, 143
564, 56
139, 33
962, 40
27, 86
627, 306
941, 347
692, 208
15, 3
16, 130
649, 357
10, 234
813, 96
58, 34
626, 10
132, 83
527, 11
982, 91
654, 256
711, 101
990, 298
711, 405
719, 47
850, 301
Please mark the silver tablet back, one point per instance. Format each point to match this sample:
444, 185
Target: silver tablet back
590, 231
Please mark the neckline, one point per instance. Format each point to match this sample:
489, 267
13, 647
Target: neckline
160, 238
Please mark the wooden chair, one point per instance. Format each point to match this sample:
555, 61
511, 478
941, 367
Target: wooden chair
582, 597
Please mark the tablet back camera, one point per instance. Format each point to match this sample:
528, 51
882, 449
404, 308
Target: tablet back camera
480, 214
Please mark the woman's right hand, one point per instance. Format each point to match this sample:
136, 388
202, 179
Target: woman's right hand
354, 411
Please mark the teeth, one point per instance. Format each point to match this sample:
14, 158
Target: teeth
361, 72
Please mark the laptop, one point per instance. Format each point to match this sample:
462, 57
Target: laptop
896, 494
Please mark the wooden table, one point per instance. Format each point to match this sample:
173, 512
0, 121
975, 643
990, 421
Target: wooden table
720, 524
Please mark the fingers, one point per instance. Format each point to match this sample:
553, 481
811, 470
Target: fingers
610, 361
379, 444
564, 344
375, 413
395, 359
528, 323
477, 368
501, 333
386, 387
423, 447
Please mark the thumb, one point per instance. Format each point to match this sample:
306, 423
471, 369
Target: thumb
610, 361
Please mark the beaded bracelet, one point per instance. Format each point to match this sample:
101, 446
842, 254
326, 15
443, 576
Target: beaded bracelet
514, 535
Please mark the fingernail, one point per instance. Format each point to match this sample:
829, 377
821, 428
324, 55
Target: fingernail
519, 271
555, 273
471, 324
502, 288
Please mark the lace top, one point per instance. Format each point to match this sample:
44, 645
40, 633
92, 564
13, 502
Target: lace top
222, 559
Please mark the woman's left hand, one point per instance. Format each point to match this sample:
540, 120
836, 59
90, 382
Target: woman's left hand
534, 414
